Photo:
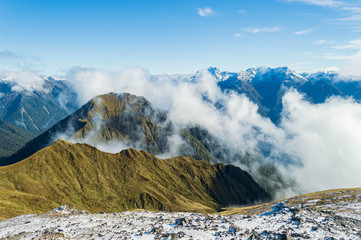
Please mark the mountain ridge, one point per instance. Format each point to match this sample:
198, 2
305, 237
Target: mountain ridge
79, 175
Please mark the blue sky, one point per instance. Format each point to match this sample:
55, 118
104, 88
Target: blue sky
176, 36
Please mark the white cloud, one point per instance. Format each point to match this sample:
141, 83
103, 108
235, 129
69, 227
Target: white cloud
353, 44
6, 54
263, 30
353, 67
353, 9
325, 137
205, 12
306, 53
354, 17
323, 3
23, 80
323, 41
242, 11
336, 57
331, 69
15, 61
302, 32
238, 35
93, 82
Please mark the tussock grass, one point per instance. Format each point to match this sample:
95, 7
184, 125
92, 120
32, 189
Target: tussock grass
83, 177
315, 200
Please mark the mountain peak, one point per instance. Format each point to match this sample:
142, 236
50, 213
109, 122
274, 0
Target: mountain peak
124, 117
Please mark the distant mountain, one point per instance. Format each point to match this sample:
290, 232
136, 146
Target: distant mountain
12, 138
36, 110
83, 177
266, 87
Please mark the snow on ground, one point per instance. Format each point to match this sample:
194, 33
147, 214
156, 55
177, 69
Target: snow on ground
282, 222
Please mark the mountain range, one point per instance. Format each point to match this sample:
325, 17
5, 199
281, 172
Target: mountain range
267, 86
98, 180
37, 109
131, 121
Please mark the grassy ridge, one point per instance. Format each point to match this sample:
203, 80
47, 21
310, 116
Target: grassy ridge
83, 177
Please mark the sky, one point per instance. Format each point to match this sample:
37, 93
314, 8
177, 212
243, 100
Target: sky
51, 37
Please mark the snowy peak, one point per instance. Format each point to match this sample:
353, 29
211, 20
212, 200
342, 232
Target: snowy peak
324, 75
221, 76
261, 74
283, 74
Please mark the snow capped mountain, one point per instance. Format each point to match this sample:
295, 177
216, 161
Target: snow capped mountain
260, 74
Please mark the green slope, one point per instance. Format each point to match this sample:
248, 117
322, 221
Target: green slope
83, 177
36, 111
12, 138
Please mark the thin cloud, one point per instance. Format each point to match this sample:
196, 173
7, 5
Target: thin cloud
205, 12
353, 9
242, 11
15, 61
336, 57
6, 55
306, 53
354, 17
322, 3
323, 41
263, 30
302, 32
353, 44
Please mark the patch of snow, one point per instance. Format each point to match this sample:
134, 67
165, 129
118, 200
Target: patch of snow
282, 222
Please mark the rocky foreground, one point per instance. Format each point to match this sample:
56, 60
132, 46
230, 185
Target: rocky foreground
338, 219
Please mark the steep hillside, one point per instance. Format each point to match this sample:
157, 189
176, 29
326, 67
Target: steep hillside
83, 177
39, 109
12, 138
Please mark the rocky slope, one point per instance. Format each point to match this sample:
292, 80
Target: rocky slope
83, 177
337, 218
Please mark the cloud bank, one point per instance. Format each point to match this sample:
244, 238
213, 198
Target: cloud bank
318, 145
325, 137
23, 80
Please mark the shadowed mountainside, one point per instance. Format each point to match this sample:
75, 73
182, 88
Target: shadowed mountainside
12, 138
81, 176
